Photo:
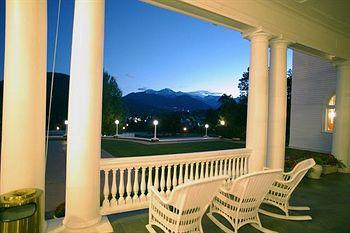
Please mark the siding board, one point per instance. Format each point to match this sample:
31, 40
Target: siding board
314, 81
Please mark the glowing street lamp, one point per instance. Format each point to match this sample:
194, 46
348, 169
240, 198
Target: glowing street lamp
185, 129
155, 123
116, 127
206, 130
222, 122
57, 128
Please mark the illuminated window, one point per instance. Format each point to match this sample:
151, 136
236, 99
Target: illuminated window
330, 115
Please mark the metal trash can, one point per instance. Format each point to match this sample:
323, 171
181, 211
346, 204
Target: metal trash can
21, 211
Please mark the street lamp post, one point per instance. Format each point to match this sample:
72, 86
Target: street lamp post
206, 130
155, 123
116, 127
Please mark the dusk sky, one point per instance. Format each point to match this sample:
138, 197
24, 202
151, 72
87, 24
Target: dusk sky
150, 47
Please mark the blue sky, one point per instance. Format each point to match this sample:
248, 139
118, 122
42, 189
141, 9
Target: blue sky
150, 47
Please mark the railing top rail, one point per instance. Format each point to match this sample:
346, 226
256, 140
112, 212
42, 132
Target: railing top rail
139, 161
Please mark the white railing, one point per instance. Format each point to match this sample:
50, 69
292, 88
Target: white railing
126, 181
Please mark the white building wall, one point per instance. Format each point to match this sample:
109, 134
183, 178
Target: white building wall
314, 82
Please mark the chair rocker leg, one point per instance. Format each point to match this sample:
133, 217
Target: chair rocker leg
285, 217
299, 208
150, 228
263, 229
219, 224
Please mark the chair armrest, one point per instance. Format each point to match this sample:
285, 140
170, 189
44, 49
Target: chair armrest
155, 192
285, 182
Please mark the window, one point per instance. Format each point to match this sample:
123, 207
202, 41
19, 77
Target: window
330, 115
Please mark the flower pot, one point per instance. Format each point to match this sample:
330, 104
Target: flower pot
315, 172
329, 169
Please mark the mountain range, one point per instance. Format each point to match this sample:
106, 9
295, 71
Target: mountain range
144, 102
152, 101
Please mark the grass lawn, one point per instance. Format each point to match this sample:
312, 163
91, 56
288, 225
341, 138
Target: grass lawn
119, 148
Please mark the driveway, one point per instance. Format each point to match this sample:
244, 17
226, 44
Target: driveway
56, 173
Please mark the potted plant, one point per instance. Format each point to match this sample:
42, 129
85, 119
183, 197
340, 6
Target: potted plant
331, 164
316, 171
60, 210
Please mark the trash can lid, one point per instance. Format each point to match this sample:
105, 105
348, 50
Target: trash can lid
19, 197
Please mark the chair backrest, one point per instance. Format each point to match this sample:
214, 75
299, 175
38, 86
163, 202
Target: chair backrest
299, 172
252, 188
196, 194
302, 167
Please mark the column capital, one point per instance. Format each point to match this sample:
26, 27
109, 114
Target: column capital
257, 34
279, 42
343, 64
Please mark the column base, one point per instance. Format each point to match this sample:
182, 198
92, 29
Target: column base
56, 226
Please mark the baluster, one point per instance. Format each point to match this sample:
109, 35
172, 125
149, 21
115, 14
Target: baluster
128, 187
191, 171
149, 181
175, 176
212, 168
105, 203
221, 169
168, 180
186, 172
207, 169
121, 187
136, 185
114, 188
216, 167
181, 175
156, 179
143, 183
246, 165
234, 168
230, 168
196, 177
225, 167
242, 167
237, 167
202, 170
162, 181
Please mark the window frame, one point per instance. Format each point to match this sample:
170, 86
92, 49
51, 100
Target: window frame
328, 107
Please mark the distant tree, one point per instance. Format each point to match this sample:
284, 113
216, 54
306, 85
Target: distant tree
234, 114
112, 105
243, 87
169, 122
225, 100
211, 118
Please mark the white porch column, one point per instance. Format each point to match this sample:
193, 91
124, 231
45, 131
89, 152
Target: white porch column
276, 135
256, 138
24, 102
341, 135
84, 117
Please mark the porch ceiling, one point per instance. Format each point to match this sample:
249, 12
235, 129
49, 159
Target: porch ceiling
332, 14
319, 27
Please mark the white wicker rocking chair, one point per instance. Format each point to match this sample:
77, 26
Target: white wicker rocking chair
238, 201
183, 210
281, 190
